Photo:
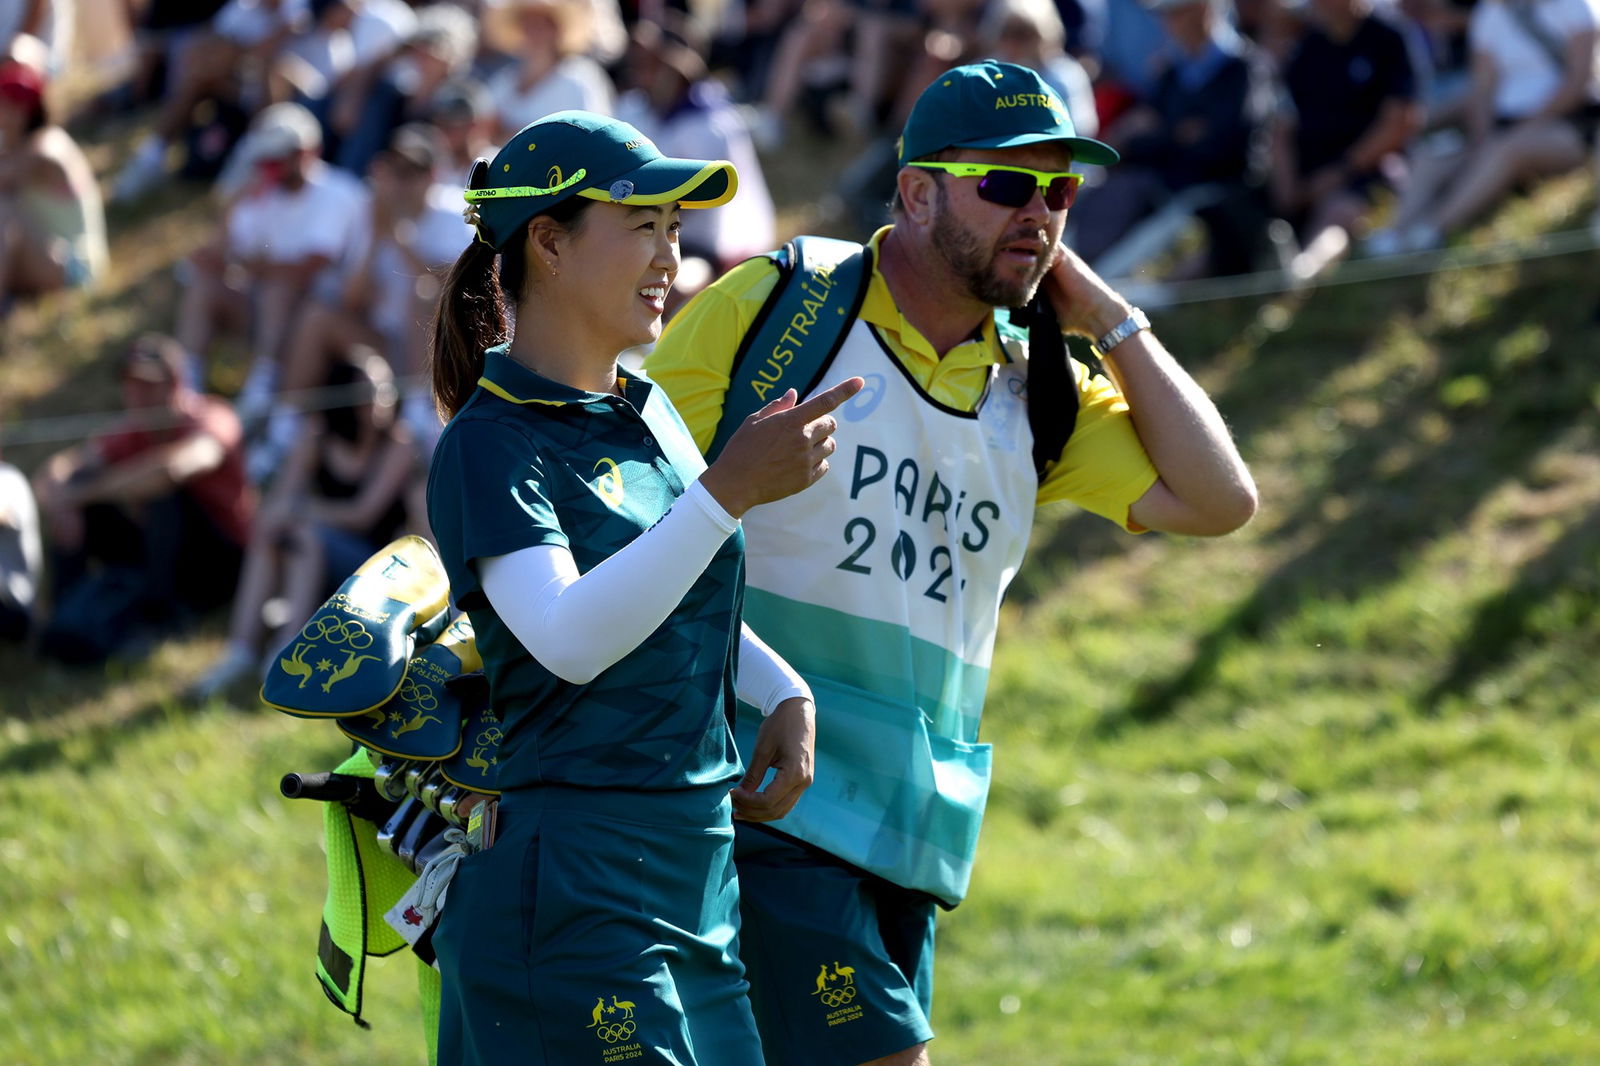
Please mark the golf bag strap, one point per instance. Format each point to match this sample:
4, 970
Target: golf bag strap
799, 328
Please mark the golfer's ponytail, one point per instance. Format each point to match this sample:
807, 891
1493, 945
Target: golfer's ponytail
471, 318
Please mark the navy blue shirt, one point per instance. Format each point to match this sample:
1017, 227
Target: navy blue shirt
1338, 88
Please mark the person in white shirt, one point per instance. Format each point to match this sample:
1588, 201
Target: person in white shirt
1533, 111
289, 234
348, 40
551, 69
416, 231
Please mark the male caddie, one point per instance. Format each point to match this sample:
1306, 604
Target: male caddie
883, 585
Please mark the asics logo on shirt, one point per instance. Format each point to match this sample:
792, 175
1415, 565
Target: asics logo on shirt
609, 484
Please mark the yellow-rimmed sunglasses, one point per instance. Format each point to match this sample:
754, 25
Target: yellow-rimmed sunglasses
1014, 186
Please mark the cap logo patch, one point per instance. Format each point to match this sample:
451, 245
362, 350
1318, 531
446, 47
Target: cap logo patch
621, 189
634, 146
553, 177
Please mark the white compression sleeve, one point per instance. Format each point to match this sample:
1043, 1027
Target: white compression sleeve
577, 626
765, 679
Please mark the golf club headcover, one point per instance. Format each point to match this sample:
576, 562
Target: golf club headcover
423, 721
351, 657
474, 766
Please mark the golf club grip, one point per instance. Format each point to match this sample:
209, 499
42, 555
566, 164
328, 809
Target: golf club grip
356, 793
326, 786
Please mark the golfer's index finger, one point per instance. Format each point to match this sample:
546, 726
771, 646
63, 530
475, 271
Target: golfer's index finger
823, 402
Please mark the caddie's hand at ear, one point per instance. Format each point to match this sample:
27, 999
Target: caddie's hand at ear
1084, 303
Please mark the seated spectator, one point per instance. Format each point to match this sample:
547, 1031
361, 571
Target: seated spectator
1352, 109
146, 522
1197, 127
551, 69
416, 231
348, 42
366, 111
675, 102
341, 497
463, 113
1030, 34
287, 237
21, 555
52, 224
1533, 111
162, 31
228, 63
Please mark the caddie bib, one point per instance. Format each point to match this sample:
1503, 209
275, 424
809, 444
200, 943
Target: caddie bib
882, 584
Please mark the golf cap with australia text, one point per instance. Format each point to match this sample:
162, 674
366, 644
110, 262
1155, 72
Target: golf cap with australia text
584, 154
991, 104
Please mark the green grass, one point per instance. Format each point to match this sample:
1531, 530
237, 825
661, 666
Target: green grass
1323, 792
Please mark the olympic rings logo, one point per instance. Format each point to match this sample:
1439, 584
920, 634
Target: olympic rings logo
611, 1033
838, 997
331, 629
419, 696
489, 737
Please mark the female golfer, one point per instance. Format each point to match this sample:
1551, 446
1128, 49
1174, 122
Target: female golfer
602, 565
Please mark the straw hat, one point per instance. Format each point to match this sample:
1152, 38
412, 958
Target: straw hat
505, 31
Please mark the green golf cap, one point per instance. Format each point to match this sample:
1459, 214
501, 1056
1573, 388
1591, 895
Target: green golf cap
579, 153
991, 104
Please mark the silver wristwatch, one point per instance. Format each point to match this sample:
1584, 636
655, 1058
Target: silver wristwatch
1120, 332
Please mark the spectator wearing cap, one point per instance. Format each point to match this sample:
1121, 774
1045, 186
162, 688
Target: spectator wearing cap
52, 222
551, 69
1351, 107
367, 110
1200, 125
291, 227
230, 61
146, 521
463, 113
1533, 111
674, 101
416, 231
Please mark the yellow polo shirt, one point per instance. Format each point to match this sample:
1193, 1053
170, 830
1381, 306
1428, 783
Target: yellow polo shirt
1102, 469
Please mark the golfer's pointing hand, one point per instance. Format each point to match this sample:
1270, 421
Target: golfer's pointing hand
778, 451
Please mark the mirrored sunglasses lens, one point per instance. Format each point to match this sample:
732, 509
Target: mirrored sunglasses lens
1007, 188
1060, 194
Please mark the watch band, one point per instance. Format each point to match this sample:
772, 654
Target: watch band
1120, 332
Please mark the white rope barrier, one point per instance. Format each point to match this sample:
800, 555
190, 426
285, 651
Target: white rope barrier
1152, 294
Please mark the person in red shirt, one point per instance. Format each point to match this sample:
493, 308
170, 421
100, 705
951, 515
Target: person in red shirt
146, 522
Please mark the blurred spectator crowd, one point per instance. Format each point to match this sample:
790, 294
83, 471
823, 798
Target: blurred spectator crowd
330, 137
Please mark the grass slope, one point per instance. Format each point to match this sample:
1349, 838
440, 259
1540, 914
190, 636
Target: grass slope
1323, 792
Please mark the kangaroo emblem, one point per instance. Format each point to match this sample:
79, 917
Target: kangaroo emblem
417, 722
296, 666
599, 1011
822, 980
352, 663
624, 1005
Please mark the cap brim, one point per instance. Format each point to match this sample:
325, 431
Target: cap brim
1084, 149
687, 182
